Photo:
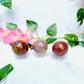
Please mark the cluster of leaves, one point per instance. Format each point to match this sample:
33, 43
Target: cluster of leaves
80, 15
71, 38
51, 31
31, 25
5, 71
6, 3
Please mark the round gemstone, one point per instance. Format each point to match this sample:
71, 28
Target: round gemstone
60, 48
40, 46
20, 47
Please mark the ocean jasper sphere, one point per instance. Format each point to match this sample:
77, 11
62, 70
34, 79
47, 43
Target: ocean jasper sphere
20, 47
60, 48
40, 46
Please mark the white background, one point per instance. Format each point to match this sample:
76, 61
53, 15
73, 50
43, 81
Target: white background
47, 69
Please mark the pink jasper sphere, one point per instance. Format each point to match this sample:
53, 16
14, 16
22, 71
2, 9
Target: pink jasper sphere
40, 46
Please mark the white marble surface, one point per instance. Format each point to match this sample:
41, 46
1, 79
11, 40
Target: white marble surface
48, 69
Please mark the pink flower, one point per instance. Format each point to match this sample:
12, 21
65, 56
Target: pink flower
4, 33
19, 31
11, 36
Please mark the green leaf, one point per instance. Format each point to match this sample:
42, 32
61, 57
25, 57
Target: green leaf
5, 71
72, 39
50, 40
7, 4
30, 46
82, 44
52, 30
11, 26
81, 22
2, 1
10, 44
31, 25
80, 15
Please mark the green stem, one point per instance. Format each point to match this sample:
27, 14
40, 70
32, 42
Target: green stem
61, 38
45, 37
38, 38
81, 41
37, 33
83, 6
81, 34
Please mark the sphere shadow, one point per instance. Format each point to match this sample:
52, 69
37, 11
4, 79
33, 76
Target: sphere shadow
21, 57
58, 57
40, 55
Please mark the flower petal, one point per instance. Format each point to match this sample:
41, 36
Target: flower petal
29, 34
9, 38
1, 31
31, 42
19, 30
22, 37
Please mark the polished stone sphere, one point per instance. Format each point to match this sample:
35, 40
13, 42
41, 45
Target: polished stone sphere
60, 48
20, 47
40, 46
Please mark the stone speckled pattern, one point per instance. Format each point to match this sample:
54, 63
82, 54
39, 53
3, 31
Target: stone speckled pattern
40, 46
20, 47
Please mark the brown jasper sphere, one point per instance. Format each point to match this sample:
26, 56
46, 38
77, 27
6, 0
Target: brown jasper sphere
40, 46
20, 47
60, 48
